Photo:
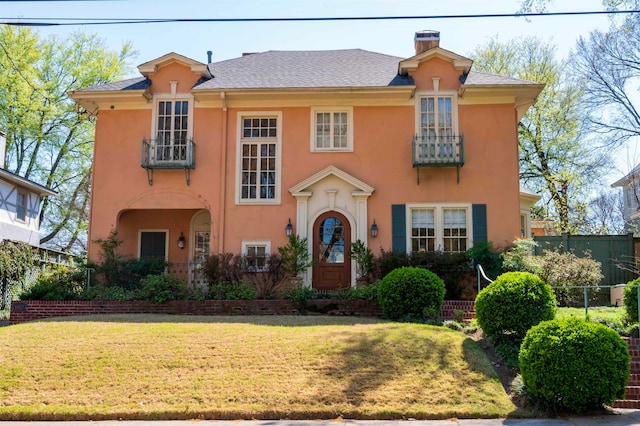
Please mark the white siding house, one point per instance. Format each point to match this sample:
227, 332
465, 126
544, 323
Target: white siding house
20, 204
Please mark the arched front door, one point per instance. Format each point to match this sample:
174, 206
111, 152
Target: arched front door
331, 248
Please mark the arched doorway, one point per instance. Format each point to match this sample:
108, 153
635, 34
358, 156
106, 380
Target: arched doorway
331, 248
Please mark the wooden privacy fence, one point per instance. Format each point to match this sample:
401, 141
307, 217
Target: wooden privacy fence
614, 252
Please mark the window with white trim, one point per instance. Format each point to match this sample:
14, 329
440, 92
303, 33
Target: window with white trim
259, 158
256, 254
21, 206
436, 117
332, 129
439, 228
454, 232
172, 130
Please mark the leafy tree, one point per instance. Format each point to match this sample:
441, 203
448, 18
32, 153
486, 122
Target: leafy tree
555, 159
606, 215
47, 140
607, 65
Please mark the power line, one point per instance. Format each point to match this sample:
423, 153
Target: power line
36, 22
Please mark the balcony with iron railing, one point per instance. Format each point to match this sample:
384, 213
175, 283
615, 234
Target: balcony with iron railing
438, 151
168, 154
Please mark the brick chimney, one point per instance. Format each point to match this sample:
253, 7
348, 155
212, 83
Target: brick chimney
425, 40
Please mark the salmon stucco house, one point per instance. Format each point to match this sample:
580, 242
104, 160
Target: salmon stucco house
403, 154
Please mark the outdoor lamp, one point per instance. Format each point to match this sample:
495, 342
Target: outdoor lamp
289, 228
181, 241
374, 229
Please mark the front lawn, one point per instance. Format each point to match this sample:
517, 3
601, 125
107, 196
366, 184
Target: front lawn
272, 367
599, 313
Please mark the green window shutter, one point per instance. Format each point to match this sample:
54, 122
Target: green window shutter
398, 228
479, 213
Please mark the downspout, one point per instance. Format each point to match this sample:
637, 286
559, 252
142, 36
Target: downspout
223, 176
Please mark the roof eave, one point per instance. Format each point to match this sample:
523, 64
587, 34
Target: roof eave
151, 67
26, 183
411, 64
524, 95
91, 100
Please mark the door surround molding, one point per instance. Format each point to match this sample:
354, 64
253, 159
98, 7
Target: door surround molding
332, 189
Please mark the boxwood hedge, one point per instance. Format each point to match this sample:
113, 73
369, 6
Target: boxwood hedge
410, 292
573, 364
513, 303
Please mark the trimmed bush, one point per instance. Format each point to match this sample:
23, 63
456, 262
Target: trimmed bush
630, 299
514, 303
232, 291
162, 288
410, 292
574, 365
61, 284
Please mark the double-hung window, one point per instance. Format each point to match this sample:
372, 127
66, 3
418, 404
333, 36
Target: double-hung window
172, 130
256, 255
332, 129
259, 159
441, 228
21, 206
454, 230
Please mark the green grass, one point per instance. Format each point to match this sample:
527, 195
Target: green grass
606, 313
273, 367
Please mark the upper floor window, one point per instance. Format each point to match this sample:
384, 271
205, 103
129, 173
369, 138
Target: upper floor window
332, 129
436, 116
172, 130
21, 206
439, 228
259, 158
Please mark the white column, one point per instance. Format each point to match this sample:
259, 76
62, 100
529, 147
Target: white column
362, 229
302, 213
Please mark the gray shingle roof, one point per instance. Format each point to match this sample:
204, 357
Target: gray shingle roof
478, 78
307, 69
138, 83
276, 69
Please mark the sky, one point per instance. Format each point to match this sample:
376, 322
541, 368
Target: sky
231, 39
228, 40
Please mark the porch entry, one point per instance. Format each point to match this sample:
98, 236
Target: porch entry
331, 248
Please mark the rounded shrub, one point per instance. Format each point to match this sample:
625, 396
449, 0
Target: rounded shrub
573, 364
162, 288
514, 303
410, 292
630, 299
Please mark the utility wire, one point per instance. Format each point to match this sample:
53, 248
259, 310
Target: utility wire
35, 22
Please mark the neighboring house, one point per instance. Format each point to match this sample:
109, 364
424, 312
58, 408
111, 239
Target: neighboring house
630, 185
527, 200
20, 204
544, 228
413, 154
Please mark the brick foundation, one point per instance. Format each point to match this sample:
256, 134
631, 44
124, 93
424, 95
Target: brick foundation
28, 310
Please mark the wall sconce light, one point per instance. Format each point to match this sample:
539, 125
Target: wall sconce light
374, 229
289, 228
181, 241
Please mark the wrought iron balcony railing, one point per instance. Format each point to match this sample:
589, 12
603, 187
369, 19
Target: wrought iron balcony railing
167, 154
438, 151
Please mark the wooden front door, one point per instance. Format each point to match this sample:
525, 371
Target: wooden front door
331, 248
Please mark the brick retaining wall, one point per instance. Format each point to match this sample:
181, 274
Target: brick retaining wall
28, 310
